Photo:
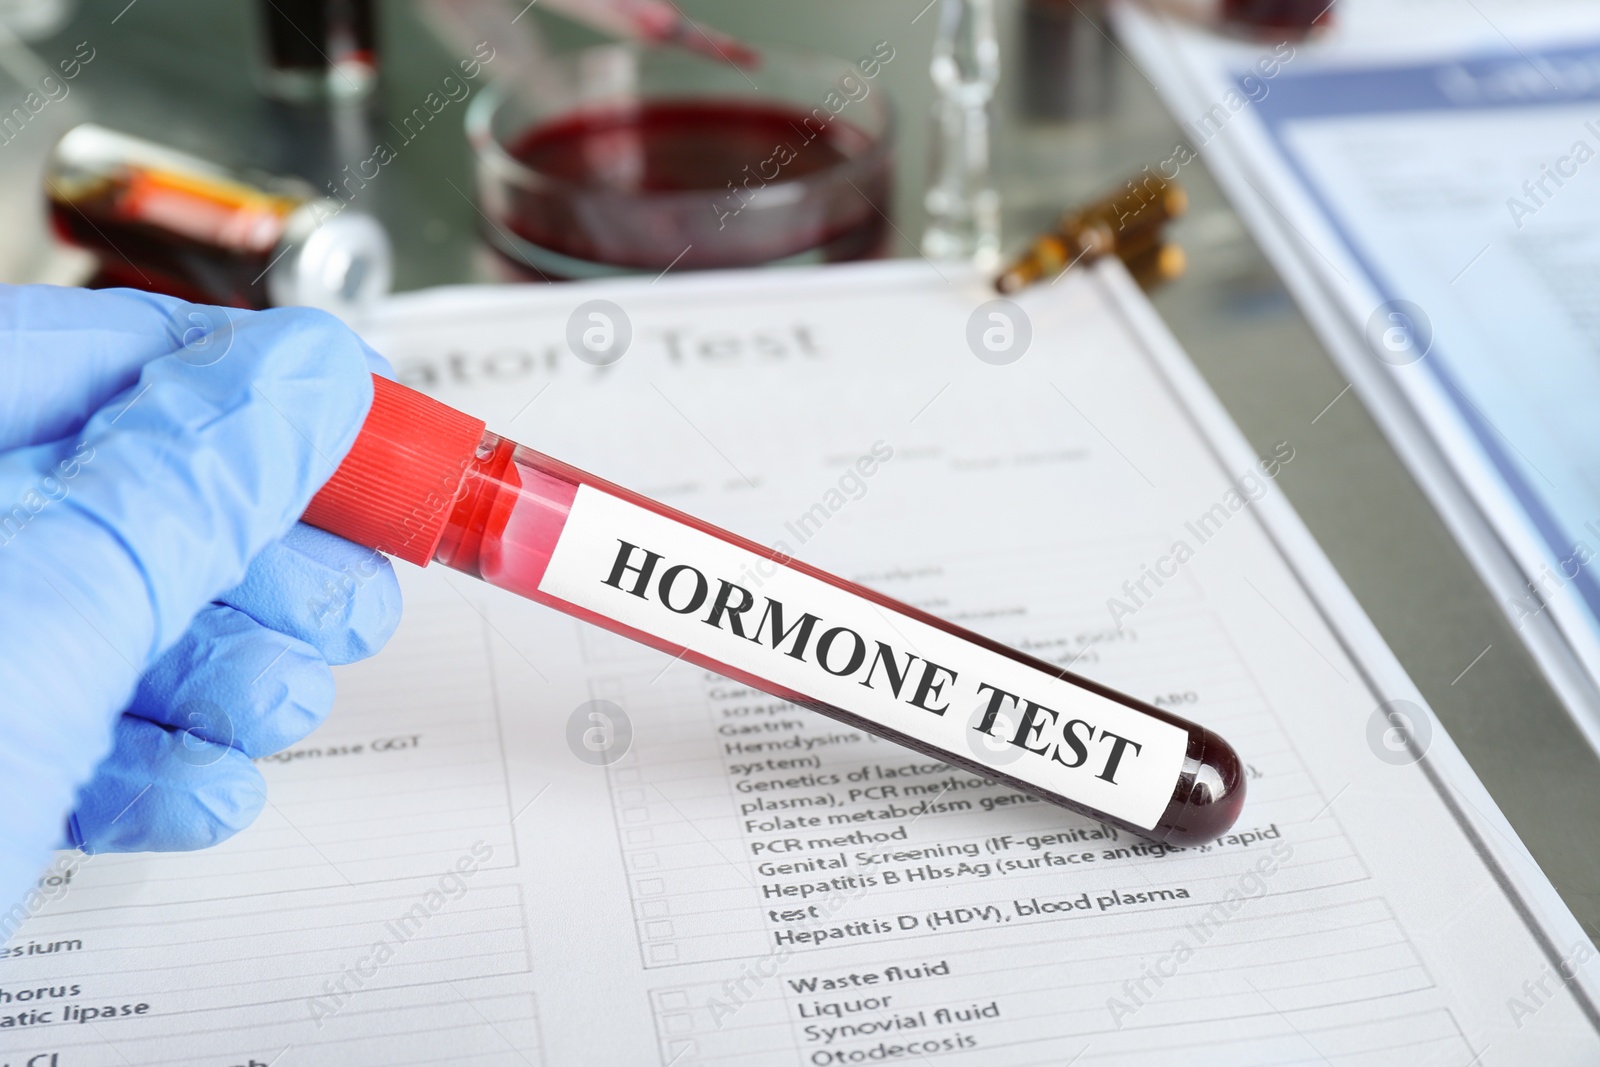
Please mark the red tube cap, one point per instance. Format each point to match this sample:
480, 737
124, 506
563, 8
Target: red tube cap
395, 489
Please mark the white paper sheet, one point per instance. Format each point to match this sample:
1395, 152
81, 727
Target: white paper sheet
446, 874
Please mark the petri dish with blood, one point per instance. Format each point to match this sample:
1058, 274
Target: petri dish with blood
644, 159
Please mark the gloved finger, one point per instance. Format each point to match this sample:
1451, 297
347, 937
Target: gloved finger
67, 352
231, 681
378, 363
338, 597
198, 468
164, 790
70, 351
175, 486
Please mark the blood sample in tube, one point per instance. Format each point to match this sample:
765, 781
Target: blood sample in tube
427, 483
1268, 18
319, 49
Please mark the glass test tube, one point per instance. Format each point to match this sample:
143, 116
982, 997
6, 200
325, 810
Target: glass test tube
425, 482
1269, 17
963, 204
319, 49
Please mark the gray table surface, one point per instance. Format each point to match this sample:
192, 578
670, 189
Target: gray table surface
181, 71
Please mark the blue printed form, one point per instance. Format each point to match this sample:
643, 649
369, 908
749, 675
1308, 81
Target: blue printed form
1464, 195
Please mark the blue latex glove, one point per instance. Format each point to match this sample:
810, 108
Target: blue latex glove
163, 618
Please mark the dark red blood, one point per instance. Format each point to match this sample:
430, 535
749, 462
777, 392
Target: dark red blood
1277, 14
312, 35
142, 255
636, 186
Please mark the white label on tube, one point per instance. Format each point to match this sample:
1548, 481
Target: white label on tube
809, 637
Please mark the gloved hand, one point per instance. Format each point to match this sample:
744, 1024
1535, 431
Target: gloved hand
163, 618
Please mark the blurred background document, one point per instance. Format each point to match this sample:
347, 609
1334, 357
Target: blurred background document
523, 840
1427, 178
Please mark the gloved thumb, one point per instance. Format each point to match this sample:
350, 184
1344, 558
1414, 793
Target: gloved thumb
127, 529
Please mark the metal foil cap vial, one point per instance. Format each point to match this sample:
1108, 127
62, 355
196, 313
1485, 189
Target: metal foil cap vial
341, 264
171, 222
